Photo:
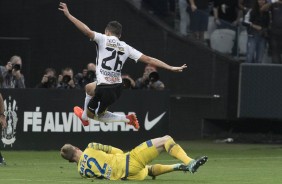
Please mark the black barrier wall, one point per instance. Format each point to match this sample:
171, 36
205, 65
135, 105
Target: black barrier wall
44, 120
260, 91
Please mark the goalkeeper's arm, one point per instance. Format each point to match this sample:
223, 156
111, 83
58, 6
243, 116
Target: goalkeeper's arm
105, 148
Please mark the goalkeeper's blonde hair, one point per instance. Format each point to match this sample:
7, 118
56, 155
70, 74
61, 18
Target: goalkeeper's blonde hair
67, 152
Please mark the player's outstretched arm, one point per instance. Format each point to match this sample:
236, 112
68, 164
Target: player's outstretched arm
80, 25
161, 64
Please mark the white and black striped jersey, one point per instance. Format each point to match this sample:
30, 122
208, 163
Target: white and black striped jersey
111, 56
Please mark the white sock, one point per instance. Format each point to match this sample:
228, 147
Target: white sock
86, 101
109, 117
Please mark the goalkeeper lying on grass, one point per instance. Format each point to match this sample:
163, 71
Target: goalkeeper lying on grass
107, 162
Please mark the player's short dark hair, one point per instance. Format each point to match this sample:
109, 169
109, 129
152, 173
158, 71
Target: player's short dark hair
115, 28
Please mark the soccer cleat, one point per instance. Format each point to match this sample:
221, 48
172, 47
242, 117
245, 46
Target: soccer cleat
78, 112
2, 162
180, 167
133, 121
193, 165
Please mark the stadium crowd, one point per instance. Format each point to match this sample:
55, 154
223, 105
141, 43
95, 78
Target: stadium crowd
247, 30
11, 77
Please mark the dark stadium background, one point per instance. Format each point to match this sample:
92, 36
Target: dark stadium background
203, 99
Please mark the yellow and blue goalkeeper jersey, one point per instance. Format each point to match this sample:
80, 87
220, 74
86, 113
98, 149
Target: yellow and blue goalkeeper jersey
102, 161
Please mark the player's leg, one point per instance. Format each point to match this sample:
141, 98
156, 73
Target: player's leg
110, 95
97, 106
2, 161
154, 170
106, 116
145, 153
90, 92
106, 96
139, 158
82, 113
158, 169
167, 143
149, 150
109, 117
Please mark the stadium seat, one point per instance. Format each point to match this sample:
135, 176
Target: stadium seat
222, 40
211, 28
243, 39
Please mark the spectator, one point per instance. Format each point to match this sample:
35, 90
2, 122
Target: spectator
160, 8
66, 80
184, 17
257, 22
245, 5
87, 76
128, 82
91, 67
3, 122
150, 79
276, 29
164, 9
10, 75
49, 79
199, 14
226, 14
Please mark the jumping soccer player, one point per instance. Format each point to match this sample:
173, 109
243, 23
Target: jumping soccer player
107, 162
111, 56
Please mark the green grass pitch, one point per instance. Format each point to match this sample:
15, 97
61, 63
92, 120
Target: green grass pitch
227, 164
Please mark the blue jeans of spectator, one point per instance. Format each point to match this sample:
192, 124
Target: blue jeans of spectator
255, 48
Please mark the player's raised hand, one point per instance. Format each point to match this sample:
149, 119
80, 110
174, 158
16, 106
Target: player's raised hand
178, 69
64, 8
